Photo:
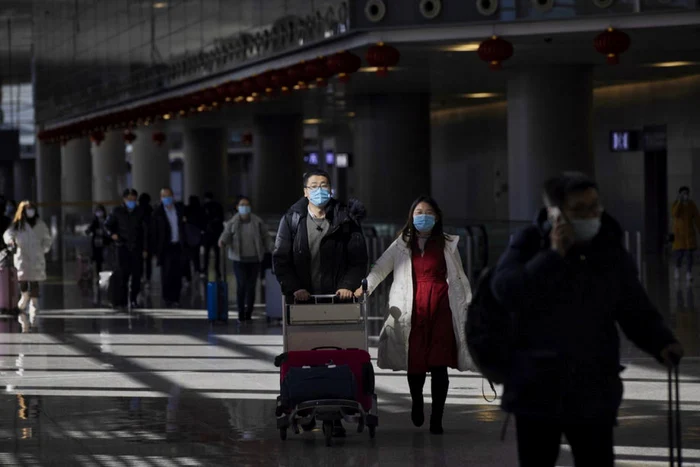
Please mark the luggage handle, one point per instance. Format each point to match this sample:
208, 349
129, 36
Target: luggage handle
327, 347
332, 297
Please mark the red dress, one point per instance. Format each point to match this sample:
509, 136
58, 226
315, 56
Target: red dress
432, 340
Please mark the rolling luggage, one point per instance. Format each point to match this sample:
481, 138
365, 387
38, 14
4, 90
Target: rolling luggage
316, 364
217, 298
9, 290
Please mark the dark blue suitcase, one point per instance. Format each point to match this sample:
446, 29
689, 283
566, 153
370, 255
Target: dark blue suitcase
217, 298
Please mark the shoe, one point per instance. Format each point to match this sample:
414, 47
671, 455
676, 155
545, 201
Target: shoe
417, 414
436, 425
22, 318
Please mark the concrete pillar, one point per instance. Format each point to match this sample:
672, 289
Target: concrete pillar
7, 181
549, 131
278, 162
109, 168
150, 163
48, 176
206, 155
391, 153
76, 177
25, 179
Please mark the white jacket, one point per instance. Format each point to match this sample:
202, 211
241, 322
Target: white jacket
32, 244
393, 339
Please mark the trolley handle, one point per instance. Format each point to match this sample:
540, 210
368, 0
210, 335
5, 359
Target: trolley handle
332, 297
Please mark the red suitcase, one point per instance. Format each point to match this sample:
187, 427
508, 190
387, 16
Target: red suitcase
358, 360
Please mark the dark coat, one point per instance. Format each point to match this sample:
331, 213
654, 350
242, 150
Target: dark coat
129, 226
160, 230
214, 221
567, 360
343, 251
99, 237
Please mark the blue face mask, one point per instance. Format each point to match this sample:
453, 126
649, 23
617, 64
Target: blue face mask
167, 200
130, 205
244, 210
319, 196
424, 222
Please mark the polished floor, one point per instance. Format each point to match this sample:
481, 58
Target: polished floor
157, 387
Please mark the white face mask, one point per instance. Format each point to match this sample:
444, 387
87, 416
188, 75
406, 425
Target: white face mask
586, 229
31, 213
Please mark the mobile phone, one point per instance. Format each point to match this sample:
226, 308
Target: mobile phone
556, 216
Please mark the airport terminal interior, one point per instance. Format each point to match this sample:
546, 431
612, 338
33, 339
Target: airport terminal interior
474, 102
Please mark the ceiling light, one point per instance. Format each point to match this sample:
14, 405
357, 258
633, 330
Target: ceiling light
351, 114
249, 99
672, 64
312, 121
468, 47
160, 5
480, 95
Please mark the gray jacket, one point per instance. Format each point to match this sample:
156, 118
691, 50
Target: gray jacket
231, 237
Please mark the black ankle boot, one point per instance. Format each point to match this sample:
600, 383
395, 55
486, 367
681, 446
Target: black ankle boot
438, 385
415, 383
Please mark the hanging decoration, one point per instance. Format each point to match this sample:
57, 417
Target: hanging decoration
159, 137
612, 43
318, 70
495, 51
383, 57
344, 64
97, 137
129, 137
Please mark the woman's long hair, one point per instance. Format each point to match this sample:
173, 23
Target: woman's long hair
20, 219
409, 233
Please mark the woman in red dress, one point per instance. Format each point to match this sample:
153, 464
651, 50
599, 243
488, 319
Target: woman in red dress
424, 330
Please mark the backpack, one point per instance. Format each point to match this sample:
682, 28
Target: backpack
490, 332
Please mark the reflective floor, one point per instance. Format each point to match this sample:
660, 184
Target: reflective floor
155, 387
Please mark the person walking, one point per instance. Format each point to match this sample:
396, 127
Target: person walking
424, 328
568, 283
686, 224
248, 240
167, 244
31, 240
99, 238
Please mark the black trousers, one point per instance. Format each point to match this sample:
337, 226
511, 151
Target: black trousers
30, 286
149, 266
539, 442
210, 246
246, 280
171, 263
129, 266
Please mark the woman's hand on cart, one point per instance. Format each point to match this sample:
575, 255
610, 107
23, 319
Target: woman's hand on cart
362, 289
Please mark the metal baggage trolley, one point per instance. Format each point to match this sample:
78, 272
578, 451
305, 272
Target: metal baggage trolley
326, 324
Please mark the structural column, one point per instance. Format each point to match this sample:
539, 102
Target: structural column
150, 163
206, 154
549, 131
108, 168
391, 158
25, 179
48, 177
76, 178
278, 162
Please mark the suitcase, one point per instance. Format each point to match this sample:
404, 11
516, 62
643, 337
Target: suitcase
9, 290
217, 298
312, 383
357, 360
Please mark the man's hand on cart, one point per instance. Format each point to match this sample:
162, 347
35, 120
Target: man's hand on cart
344, 294
302, 295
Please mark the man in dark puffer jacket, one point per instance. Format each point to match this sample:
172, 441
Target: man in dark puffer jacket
569, 282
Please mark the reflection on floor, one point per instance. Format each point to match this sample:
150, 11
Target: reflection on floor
154, 387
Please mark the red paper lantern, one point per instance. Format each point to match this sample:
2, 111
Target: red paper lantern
383, 57
249, 86
97, 137
280, 80
264, 81
233, 90
129, 137
319, 70
344, 64
612, 43
159, 137
297, 75
495, 51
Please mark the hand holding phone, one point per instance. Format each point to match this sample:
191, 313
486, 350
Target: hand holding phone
562, 234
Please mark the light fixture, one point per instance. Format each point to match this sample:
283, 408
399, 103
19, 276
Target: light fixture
468, 47
672, 64
480, 95
312, 121
166, 117
373, 69
249, 99
159, 5
351, 114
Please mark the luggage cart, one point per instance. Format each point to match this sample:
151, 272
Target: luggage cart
312, 332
